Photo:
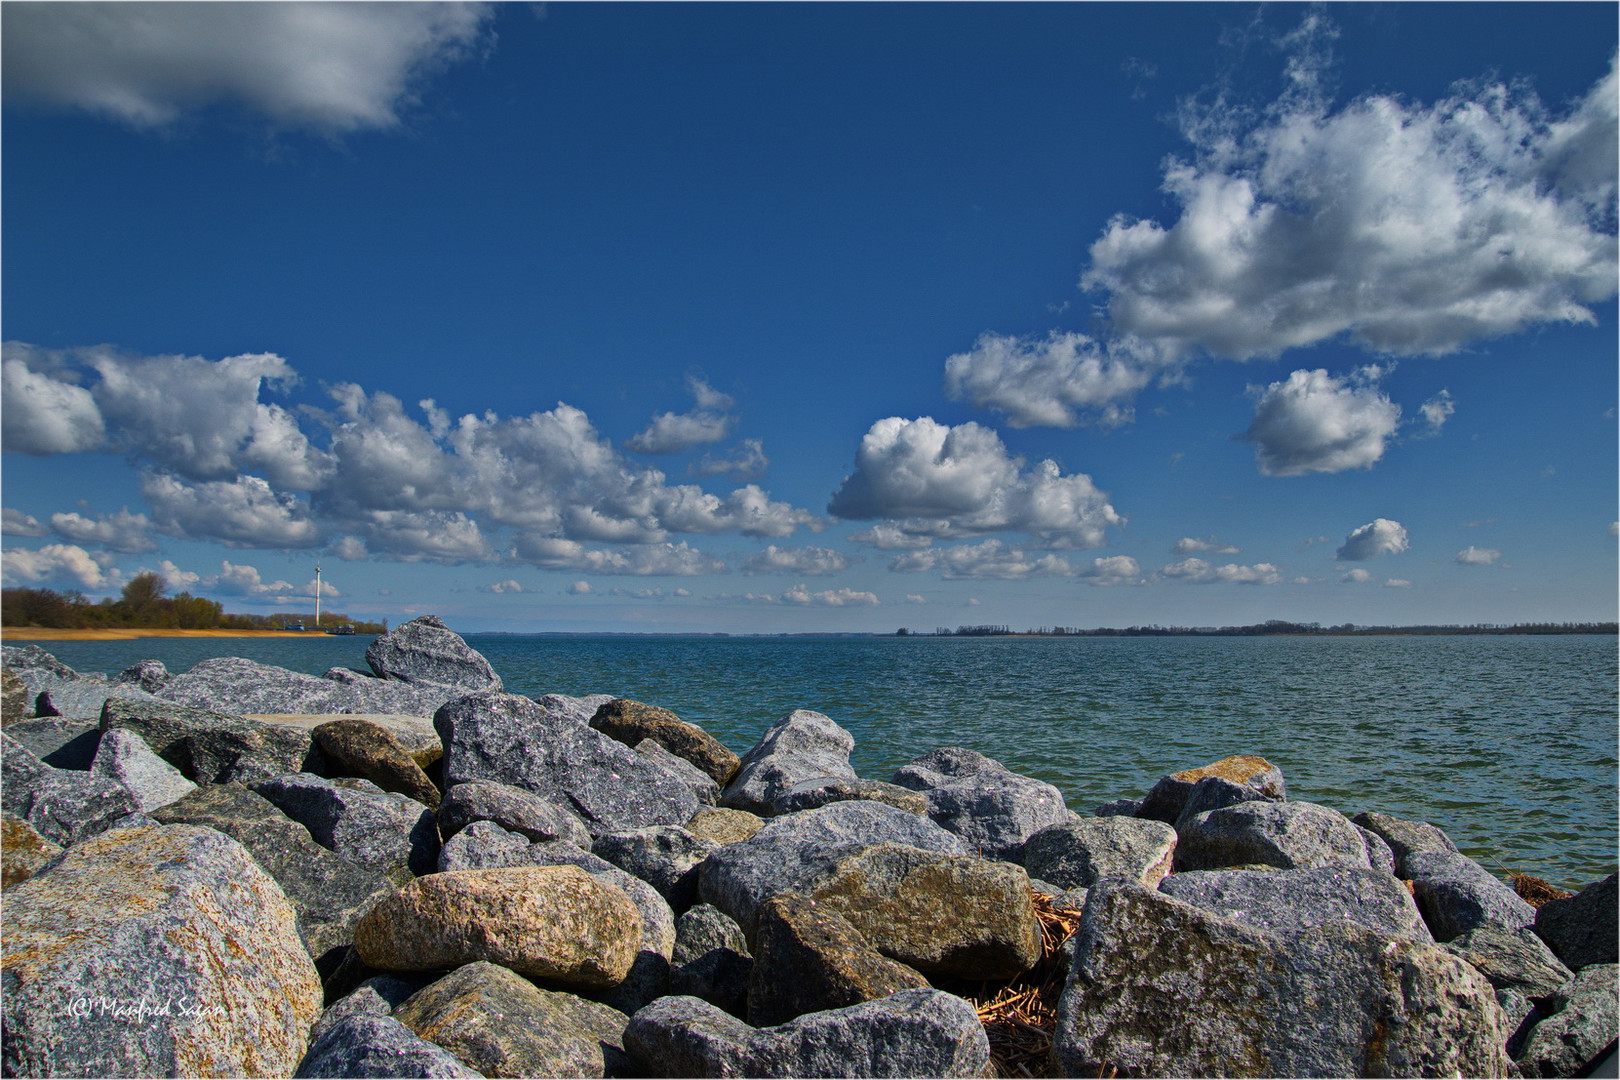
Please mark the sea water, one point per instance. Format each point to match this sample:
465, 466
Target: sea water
1506, 742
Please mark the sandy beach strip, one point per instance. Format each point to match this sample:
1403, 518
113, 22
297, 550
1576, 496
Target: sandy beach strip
40, 633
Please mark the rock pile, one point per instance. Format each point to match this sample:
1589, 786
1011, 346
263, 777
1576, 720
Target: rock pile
594, 887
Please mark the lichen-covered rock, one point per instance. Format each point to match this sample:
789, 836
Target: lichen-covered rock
1289, 835
724, 826
425, 650
15, 702
209, 747
711, 959
64, 806
910, 1033
1581, 929
365, 1045
1581, 1026
1167, 798
1077, 854
124, 758
802, 745
664, 856
22, 850
1163, 988
513, 809
808, 958
382, 831
1456, 894
362, 748
632, 721
829, 789
554, 922
1288, 902
155, 952
992, 808
1405, 837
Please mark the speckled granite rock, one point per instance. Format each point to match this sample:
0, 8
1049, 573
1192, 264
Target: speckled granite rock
370, 1045
381, 831
124, 758
240, 687
1077, 854
724, 826
1289, 902
711, 959
64, 806
213, 748
578, 709
148, 675
513, 809
1456, 894
992, 808
1167, 798
1584, 1017
704, 789
59, 741
1288, 835
426, 651
1405, 837
664, 856
362, 748
82, 698
15, 701
802, 745
1581, 929
632, 721
809, 794
22, 850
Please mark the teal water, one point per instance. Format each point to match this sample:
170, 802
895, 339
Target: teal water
1508, 743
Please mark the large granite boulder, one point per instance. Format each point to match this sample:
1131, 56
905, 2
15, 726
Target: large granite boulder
553, 922
910, 1033
245, 687
711, 959
366, 749
578, 709
802, 745
34, 667
724, 826
213, 748
23, 851
1167, 798
1290, 902
155, 952
1521, 969
425, 650
1581, 1027
704, 788
124, 758
1079, 853
1406, 837
511, 740
664, 856
382, 831
83, 698
1290, 835
1456, 894
148, 675
62, 805
1581, 928
809, 794
378, 1045
16, 703
992, 808
1162, 988
632, 721
513, 809
59, 741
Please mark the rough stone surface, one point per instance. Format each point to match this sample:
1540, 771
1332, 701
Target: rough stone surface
124, 758
1581, 1027
513, 809
328, 893
947, 915
382, 831
911, 1033
362, 748
555, 922
1380, 856
1289, 902
59, 741
724, 826
181, 921
213, 748
1167, 798
664, 856
1520, 967
424, 650
365, 1045
703, 786
1290, 835
1118, 808
793, 853
578, 709
82, 699
1456, 894
829, 789
22, 850
511, 740
711, 959
1214, 793
34, 667
632, 721
15, 701
1077, 854
802, 745
992, 808
240, 687
1581, 928
414, 733
808, 958
63, 806
1163, 988
148, 675
1405, 837
503, 1025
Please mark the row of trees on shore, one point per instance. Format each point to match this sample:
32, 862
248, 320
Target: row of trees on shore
1270, 627
143, 604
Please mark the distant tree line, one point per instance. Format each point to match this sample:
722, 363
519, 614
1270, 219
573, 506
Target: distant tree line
143, 605
1279, 627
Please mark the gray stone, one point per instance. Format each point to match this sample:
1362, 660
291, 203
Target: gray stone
36, 668
58, 741
704, 789
724, 826
829, 789
82, 699
16, 703
802, 745
1520, 967
1167, 798
578, 709
1118, 808
664, 856
366, 1000
242, 687
1380, 856
1077, 854
793, 853
632, 721
513, 809
1581, 928
64, 806
424, 650
1290, 902
911, 1033
378, 1046
154, 952
213, 748
1405, 837
1162, 988
1581, 1027
23, 851
1214, 793
366, 749
711, 959
123, 757
328, 893
1456, 894
382, 831
992, 808
511, 740
148, 675
1290, 835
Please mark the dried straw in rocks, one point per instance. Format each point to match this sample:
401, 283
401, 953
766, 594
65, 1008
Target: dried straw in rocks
1020, 1015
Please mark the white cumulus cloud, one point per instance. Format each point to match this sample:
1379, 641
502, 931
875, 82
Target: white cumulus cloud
1190, 545
58, 562
989, 559
1060, 380
1380, 536
1436, 411
122, 531
17, 523
237, 513
1113, 570
43, 412
1315, 423
1202, 572
797, 560
670, 433
510, 585
800, 594
1477, 556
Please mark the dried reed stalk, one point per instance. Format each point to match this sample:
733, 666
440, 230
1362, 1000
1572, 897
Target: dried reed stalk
1020, 1015
1534, 891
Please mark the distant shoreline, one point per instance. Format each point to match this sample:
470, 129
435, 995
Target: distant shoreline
43, 633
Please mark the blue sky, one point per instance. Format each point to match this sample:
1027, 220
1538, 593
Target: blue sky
783, 317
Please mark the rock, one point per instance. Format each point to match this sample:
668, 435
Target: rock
1077, 854
704, 789
1380, 856
503, 1025
1118, 808
513, 809
1168, 797
1290, 902
911, 1033
711, 959
578, 709
724, 826
1456, 894
148, 675
22, 851
1520, 967
810, 794
362, 748
1581, 1027
414, 733
382, 831
802, 745
15, 700
793, 853
664, 856
992, 808
631, 721
424, 650
82, 699
64, 807
34, 666
328, 893
366, 1045
555, 922
367, 999
124, 758
155, 952
60, 742
1163, 988
511, 740
1405, 837
1581, 928
808, 958
213, 748
1290, 835
1214, 793
242, 687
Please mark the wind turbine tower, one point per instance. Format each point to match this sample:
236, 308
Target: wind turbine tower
317, 597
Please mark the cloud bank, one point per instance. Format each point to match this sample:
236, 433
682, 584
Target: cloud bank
1314, 423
